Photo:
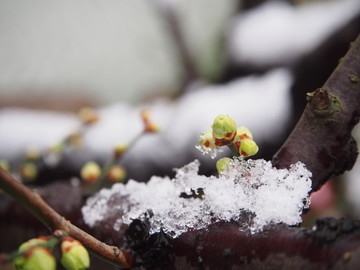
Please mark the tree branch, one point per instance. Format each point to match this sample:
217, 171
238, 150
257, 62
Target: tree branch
322, 137
33, 202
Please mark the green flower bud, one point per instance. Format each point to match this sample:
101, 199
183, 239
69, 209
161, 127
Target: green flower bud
116, 174
207, 139
74, 255
224, 127
32, 243
120, 149
4, 165
88, 115
28, 171
248, 148
90, 172
36, 258
223, 164
243, 133
32, 153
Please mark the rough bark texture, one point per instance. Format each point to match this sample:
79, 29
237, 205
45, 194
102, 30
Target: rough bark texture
332, 245
322, 138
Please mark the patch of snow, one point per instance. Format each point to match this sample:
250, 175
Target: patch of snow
192, 201
278, 33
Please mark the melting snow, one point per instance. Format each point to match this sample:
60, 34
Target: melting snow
192, 201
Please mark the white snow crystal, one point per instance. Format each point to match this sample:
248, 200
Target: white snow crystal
191, 201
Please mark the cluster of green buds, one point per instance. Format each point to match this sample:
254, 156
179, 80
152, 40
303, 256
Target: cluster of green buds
37, 254
225, 133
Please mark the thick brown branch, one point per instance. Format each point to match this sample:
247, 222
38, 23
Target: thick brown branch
322, 137
33, 202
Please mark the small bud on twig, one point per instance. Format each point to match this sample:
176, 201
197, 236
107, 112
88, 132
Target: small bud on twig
88, 115
4, 165
116, 174
74, 255
224, 127
28, 171
90, 172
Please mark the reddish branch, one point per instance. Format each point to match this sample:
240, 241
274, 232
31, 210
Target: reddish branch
322, 137
33, 202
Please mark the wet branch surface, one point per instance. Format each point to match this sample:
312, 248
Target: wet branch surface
322, 137
33, 202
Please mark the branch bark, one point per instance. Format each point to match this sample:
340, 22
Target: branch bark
322, 137
33, 202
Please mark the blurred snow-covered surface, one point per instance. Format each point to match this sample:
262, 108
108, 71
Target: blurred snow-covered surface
114, 50
258, 102
278, 33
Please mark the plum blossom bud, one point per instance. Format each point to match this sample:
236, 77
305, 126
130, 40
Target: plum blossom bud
28, 171
224, 128
90, 172
120, 149
223, 164
88, 115
149, 126
74, 255
32, 153
248, 148
116, 174
207, 139
36, 258
4, 165
32, 243
152, 127
75, 140
243, 133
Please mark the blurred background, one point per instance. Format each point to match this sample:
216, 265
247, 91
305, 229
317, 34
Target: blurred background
185, 60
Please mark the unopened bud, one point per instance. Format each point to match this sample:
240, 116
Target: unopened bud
88, 115
56, 148
119, 150
36, 258
28, 171
145, 115
248, 148
207, 139
4, 165
152, 127
224, 128
243, 133
33, 243
74, 255
32, 153
116, 174
75, 140
90, 172
223, 164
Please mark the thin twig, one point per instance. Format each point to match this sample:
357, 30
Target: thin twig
33, 202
